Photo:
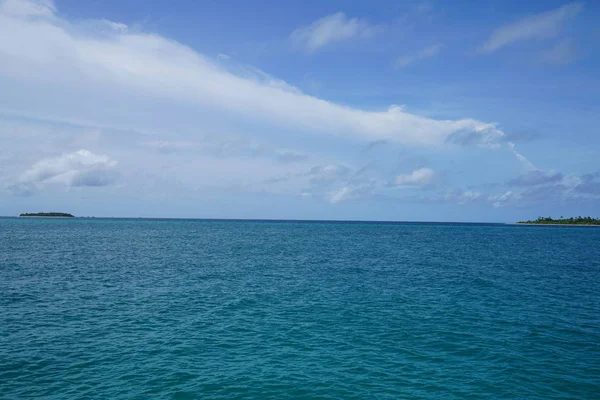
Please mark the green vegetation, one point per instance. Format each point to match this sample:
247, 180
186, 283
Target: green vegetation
564, 221
47, 214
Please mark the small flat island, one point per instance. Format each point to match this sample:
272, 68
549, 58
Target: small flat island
563, 221
48, 214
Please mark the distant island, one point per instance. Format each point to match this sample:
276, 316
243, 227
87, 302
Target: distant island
563, 221
48, 214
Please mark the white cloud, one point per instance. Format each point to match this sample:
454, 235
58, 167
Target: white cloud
340, 195
136, 94
533, 188
330, 29
49, 69
542, 186
31, 8
326, 174
80, 168
417, 178
351, 191
539, 26
427, 52
526, 163
454, 196
334, 183
468, 196
501, 200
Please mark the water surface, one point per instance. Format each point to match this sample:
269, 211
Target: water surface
178, 309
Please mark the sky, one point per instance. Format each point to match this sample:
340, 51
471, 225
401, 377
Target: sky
380, 110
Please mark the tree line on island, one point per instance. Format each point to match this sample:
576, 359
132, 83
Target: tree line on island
564, 221
48, 214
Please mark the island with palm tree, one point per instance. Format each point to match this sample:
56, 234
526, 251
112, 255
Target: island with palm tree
563, 221
48, 214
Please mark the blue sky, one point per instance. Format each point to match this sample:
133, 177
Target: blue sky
389, 110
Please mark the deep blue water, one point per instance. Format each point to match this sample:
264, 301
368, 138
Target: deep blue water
184, 309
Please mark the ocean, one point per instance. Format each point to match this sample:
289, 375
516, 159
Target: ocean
196, 309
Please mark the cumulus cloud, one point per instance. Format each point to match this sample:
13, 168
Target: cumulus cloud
330, 29
417, 178
539, 26
427, 52
80, 168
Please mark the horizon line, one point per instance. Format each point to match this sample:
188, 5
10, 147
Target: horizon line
275, 220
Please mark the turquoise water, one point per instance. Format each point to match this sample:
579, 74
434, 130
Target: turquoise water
184, 309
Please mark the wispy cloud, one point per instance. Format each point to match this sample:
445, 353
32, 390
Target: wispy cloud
39, 8
333, 183
522, 159
562, 53
534, 188
539, 26
537, 177
417, 178
327, 174
330, 29
150, 95
542, 186
589, 185
137, 70
340, 195
288, 156
452, 196
427, 52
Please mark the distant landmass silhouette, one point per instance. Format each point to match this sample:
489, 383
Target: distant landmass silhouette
564, 221
48, 214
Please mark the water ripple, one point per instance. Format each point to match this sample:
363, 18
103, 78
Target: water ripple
193, 309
